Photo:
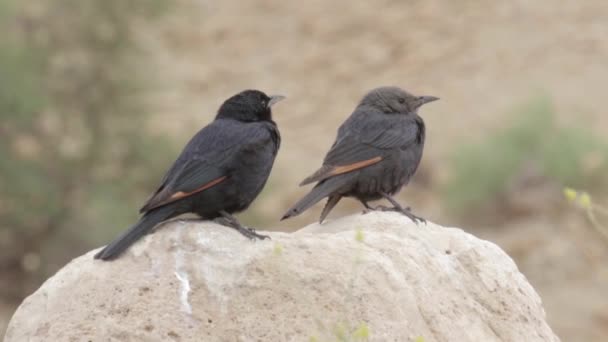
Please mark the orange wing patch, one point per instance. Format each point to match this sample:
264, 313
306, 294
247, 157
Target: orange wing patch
352, 167
180, 194
328, 171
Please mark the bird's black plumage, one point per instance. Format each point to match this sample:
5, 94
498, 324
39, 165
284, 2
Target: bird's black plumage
376, 152
220, 171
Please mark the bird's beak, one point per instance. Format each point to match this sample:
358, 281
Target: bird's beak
274, 99
427, 99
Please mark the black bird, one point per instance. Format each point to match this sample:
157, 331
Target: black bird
376, 152
220, 171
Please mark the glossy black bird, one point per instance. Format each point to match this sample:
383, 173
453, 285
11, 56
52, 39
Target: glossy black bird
220, 171
376, 152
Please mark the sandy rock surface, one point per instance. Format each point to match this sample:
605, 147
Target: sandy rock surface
375, 277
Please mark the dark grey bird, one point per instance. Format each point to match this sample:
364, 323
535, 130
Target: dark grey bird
220, 171
376, 152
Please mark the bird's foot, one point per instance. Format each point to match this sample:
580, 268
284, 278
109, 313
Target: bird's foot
405, 211
223, 221
368, 210
414, 218
398, 208
384, 208
250, 233
247, 232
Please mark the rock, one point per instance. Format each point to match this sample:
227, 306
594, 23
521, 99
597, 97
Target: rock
375, 276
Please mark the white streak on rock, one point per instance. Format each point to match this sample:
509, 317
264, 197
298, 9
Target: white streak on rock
184, 291
181, 274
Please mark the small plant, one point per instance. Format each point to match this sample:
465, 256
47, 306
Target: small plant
343, 333
583, 200
278, 249
361, 333
359, 236
567, 155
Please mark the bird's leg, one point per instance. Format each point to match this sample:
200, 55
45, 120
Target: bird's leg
222, 221
385, 208
379, 207
367, 209
232, 222
397, 207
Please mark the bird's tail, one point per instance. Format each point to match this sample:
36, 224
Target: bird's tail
141, 228
320, 191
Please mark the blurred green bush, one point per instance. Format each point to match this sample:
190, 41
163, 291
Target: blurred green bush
75, 154
571, 155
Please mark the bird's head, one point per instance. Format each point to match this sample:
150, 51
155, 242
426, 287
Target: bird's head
394, 100
248, 106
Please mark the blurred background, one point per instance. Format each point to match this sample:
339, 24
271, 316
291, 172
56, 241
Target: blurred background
97, 98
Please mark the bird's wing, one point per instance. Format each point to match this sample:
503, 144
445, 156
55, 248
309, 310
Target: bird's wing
194, 177
204, 162
356, 149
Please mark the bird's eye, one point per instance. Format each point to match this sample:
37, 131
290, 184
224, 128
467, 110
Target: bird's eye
401, 100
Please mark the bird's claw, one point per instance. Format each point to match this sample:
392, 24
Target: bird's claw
247, 232
414, 218
417, 219
405, 211
251, 234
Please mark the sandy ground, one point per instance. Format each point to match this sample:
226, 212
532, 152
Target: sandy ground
481, 57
